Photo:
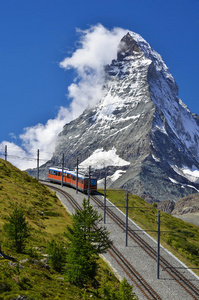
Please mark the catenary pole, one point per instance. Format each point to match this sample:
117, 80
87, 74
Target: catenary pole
77, 175
38, 164
158, 248
105, 199
62, 173
127, 218
89, 184
6, 154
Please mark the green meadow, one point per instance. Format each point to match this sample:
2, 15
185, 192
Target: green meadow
28, 273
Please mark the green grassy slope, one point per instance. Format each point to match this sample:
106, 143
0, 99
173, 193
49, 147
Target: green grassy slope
28, 274
179, 237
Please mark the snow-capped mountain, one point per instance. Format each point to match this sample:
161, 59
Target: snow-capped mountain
140, 132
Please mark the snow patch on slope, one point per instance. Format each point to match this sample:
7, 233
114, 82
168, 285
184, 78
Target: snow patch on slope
156, 158
100, 159
183, 185
110, 179
191, 174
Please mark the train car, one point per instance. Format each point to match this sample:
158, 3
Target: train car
70, 179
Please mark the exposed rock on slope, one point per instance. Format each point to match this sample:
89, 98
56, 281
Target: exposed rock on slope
166, 206
189, 204
187, 209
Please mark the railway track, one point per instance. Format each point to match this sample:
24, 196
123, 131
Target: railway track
191, 289
138, 280
130, 271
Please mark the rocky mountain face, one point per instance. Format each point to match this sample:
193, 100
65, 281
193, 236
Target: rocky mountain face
187, 209
140, 133
188, 204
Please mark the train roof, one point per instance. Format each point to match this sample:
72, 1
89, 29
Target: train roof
72, 172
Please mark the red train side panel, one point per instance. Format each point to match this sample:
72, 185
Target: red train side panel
70, 177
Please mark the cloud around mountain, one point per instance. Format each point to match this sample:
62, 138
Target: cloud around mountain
95, 48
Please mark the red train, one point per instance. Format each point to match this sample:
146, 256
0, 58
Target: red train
70, 179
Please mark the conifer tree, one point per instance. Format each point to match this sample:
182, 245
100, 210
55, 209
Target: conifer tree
57, 255
17, 228
87, 239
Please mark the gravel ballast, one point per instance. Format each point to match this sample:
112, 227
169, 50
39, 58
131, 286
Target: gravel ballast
166, 287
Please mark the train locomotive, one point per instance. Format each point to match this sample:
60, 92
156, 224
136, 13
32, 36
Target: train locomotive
70, 179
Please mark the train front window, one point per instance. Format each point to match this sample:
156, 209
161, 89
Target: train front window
93, 181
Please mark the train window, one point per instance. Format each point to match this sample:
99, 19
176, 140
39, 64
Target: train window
93, 181
68, 175
80, 180
86, 181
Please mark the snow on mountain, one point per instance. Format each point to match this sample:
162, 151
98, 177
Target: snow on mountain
191, 174
110, 179
100, 159
140, 133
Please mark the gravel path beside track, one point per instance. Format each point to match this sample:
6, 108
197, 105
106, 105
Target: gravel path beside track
166, 286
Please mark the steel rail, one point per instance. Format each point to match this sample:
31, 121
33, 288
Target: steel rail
174, 273
134, 275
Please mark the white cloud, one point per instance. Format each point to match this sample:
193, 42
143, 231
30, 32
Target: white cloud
97, 46
42, 137
16, 155
13, 136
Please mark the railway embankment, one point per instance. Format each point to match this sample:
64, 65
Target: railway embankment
176, 281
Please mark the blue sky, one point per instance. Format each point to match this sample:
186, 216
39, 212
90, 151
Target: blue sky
36, 35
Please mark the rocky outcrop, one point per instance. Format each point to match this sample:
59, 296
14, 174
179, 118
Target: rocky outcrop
166, 206
187, 209
189, 204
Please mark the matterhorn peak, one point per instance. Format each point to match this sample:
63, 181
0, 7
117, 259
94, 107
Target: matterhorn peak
151, 136
127, 47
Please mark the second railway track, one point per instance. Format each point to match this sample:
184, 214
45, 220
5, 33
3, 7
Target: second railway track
173, 272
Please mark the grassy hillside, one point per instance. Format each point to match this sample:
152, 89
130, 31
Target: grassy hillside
180, 237
28, 274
